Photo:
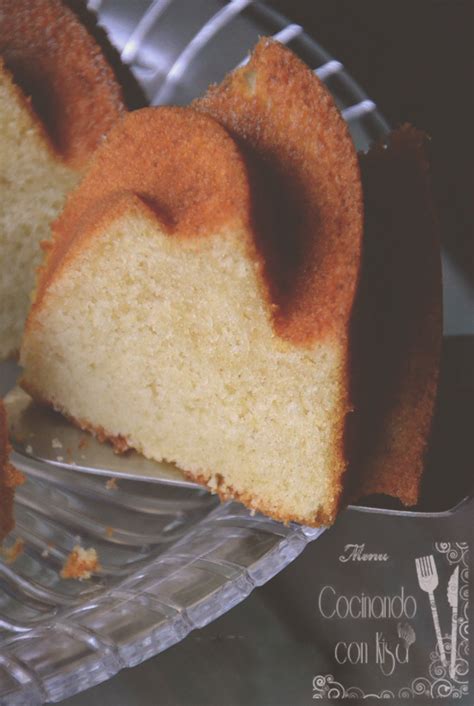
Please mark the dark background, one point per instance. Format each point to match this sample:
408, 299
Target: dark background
415, 59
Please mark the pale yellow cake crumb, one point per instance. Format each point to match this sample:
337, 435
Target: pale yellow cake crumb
80, 564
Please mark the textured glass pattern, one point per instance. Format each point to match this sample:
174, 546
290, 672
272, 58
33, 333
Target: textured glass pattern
171, 560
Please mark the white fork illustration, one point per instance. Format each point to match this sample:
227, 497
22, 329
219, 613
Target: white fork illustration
428, 580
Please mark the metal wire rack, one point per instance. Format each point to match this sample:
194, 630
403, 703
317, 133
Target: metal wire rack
176, 69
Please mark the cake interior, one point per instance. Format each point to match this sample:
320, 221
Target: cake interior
167, 340
34, 183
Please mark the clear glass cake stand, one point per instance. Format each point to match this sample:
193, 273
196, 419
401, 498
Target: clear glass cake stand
173, 559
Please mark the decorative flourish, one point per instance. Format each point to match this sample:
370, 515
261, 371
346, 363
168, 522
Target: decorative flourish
326, 687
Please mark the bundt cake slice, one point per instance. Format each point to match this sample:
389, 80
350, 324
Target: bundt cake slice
59, 96
166, 320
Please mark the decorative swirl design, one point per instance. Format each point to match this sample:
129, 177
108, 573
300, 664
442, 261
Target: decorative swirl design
319, 681
436, 669
334, 692
462, 667
404, 693
455, 552
442, 547
326, 687
464, 634
442, 688
421, 686
353, 692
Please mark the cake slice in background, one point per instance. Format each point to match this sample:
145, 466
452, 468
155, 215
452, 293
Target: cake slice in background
59, 96
168, 319
397, 329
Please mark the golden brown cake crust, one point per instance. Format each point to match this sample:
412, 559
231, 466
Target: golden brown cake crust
307, 232
398, 321
322, 518
132, 91
212, 193
312, 235
56, 61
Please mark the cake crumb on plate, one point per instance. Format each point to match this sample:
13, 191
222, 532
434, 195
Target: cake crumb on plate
80, 563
